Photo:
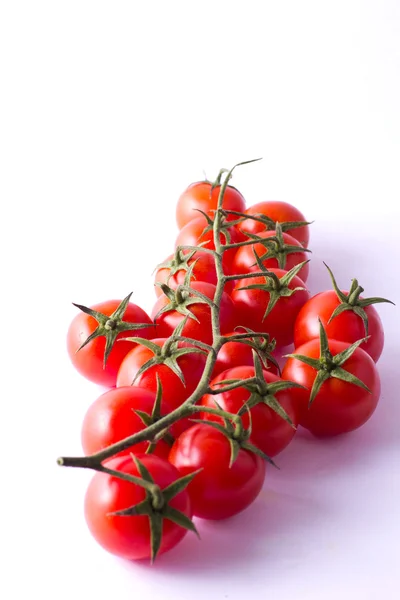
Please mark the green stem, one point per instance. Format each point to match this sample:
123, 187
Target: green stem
186, 409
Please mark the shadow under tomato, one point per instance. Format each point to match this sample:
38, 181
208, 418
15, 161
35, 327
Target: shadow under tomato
289, 505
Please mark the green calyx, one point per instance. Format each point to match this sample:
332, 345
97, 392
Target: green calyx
270, 224
167, 354
277, 287
224, 224
260, 343
110, 326
275, 246
263, 392
352, 301
233, 429
156, 505
183, 297
148, 419
179, 262
328, 365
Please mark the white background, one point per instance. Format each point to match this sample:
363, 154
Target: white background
108, 111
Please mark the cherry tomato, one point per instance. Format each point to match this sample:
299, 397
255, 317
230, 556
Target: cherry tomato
339, 406
201, 329
203, 270
245, 262
192, 235
277, 211
202, 196
129, 536
346, 327
237, 354
89, 360
270, 432
218, 491
174, 392
112, 418
252, 304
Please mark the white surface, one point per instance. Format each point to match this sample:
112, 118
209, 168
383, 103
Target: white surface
108, 111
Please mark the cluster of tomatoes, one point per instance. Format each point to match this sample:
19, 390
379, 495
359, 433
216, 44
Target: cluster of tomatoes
216, 336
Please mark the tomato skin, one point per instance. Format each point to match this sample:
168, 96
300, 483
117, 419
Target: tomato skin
218, 491
203, 270
270, 432
244, 261
277, 211
129, 537
191, 235
236, 354
89, 360
202, 196
201, 330
111, 418
251, 306
346, 327
173, 390
339, 407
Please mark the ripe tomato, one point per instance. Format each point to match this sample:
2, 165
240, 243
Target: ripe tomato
218, 491
201, 329
203, 270
270, 432
251, 305
202, 196
174, 392
245, 262
112, 418
277, 211
339, 406
89, 360
129, 536
192, 235
237, 354
346, 327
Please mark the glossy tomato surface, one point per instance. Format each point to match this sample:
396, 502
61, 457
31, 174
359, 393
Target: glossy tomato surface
89, 360
129, 536
203, 270
174, 392
112, 418
202, 196
245, 262
251, 306
200, 329
346, 327
277, 211
339, 406
192, 234
218, 491
237, 354
269, 431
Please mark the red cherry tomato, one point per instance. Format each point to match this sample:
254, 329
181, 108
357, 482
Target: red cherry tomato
252, 304
201, 329
174, 391
203, 270
112, 418
270, 432
237, 354
218, 491
129, 536
277, 211
339, 406
346, 327
192, 235
202, 196
245, 262
89, 360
